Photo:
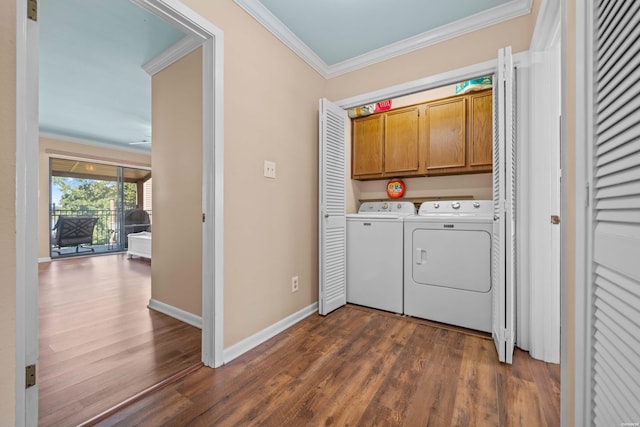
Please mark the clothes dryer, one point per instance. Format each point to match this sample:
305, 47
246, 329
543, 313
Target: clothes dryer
447, 268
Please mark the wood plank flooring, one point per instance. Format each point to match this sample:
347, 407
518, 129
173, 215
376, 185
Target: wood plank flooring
360, 367
99, 343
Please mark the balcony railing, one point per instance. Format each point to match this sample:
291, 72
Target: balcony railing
109, 233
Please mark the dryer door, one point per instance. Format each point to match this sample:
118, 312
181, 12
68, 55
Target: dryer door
459, 259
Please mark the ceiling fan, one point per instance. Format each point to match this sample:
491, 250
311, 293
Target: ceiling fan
145, 141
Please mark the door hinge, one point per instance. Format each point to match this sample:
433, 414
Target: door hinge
505, 335
204, 217
30, 376
32, 9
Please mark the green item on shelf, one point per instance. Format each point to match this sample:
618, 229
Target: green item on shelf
474, 84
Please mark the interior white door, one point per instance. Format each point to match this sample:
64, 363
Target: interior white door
612, 285
332, 220
503, 250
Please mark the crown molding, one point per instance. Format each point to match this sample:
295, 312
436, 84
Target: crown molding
472, 23
264, 16
170, 55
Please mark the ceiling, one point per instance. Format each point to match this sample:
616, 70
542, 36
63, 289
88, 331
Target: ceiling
336, 36
92, 84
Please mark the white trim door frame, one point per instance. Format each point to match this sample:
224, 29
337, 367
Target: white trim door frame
177, 14
27, 134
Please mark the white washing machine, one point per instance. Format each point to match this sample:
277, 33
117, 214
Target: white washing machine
447, 272
375, 254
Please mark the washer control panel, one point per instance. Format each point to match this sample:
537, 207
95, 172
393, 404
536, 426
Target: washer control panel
407, 208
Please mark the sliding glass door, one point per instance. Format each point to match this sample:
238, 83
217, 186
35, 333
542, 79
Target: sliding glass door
94, 206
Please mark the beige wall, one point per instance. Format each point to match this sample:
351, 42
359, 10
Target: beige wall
50, 147
271, 113
569, 177
176, 111
7, 213
427, 95
478, 186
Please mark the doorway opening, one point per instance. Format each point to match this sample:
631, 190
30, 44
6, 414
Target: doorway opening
211, 39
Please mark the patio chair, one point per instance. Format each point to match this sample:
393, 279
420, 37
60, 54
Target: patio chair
135, 221
74, 231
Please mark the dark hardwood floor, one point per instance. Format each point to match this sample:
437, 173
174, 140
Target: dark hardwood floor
360, 367
99, 343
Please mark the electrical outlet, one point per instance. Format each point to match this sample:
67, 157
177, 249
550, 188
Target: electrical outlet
269, 169
294, 284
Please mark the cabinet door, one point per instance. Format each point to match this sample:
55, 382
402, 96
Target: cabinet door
480, 131
401, 140
368, 134
446, 134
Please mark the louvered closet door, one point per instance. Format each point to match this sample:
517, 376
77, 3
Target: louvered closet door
615, 273
503, 245
332, 219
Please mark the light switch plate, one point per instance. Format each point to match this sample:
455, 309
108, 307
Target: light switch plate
269, 169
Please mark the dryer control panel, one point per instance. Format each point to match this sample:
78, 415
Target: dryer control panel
457, 207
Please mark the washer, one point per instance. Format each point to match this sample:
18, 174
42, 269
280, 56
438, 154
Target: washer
375, 255
447, 268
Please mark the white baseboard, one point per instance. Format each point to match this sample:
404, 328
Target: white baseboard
44, 259
176, 313
269, 332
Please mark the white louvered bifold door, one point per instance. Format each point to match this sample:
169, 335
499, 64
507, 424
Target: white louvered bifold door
503, 245
615, 271
332, 219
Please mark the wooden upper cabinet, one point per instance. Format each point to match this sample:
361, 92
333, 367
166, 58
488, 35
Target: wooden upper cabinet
446, 134
442, 137
481, 131
367, 145
401, 149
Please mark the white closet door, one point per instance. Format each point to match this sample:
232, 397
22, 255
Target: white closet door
614, 273
503, 249
332, 206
